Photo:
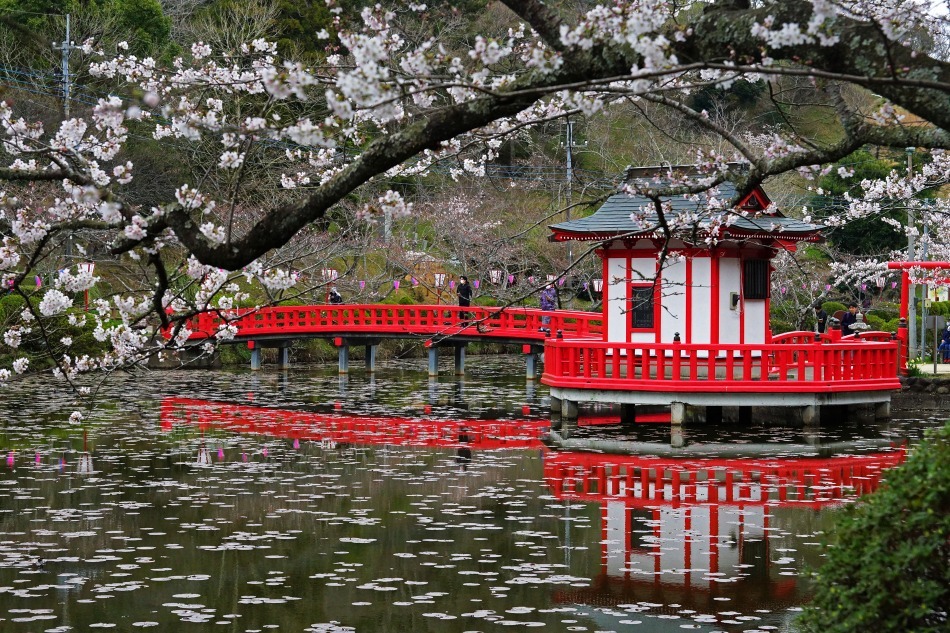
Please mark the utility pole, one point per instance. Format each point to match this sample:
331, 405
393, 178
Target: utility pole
911, 257
65, 49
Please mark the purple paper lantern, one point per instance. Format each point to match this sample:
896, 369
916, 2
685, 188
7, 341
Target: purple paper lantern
827, 287
396, 284
561, 281
893, 284
362, 285
784, 289
415, 282
452, 284
475, 283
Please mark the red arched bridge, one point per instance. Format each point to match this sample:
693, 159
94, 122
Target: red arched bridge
797, 368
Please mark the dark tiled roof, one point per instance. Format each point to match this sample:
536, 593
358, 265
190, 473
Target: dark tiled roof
614, 218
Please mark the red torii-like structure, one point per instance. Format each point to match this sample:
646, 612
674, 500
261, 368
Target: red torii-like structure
905, 268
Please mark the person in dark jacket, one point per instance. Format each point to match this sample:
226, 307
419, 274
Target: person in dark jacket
464, 291
821, 318
335, 296
850, 318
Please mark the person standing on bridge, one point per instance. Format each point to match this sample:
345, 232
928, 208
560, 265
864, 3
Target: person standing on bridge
335, 296
548, 300
464, 291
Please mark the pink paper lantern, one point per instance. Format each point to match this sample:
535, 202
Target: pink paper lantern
415, 282
893, 284
511, 279
784, 289
561, 281
362, 285
452, 284
475, 283
396, 284
864, 286
531, 280
827, 287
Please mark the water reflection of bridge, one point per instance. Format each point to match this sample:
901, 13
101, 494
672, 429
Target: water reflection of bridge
695, 525
687, 525
341, 428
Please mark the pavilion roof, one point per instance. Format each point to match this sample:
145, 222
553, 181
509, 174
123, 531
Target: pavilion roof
634, 215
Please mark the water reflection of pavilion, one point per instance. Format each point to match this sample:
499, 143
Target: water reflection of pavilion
342, 428
696, 524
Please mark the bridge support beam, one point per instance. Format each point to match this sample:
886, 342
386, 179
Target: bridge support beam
371, 358
677, 413
460, 360
569, 409
433, 361
555, 405
882, 410
343, 359
255, 356
283, 357
532, 354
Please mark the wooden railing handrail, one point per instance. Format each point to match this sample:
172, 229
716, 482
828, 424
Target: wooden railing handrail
393, 319
707, 367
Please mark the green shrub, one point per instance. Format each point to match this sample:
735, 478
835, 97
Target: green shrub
833, 306
875, 322
890, 570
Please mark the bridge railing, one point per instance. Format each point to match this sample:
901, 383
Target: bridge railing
378, 319
774, 367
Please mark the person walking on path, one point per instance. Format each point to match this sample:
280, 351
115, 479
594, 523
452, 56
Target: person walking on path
464, 291
548, 302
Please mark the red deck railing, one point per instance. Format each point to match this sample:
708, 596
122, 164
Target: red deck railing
381, 320
854, 365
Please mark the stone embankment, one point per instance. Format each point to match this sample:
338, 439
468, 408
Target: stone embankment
923, 392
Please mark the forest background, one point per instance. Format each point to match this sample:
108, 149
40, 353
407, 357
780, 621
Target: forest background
490, 223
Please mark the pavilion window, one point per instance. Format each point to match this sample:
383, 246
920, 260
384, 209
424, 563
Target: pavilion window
755, 279
641, 307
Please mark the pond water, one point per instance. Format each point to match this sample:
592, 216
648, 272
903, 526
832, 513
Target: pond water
302, 501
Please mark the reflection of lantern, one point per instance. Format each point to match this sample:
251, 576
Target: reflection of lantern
495, 276
204, 457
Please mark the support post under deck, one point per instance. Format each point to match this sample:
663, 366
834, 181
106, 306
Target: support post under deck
343, 359
371, 358
677, 413
256, 357
433, 361
531, 355
460, 360
882, 410
283, 357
